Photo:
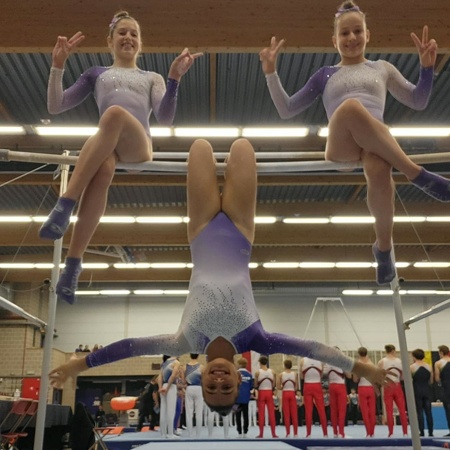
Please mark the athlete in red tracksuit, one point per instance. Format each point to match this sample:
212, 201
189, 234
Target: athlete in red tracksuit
311, 373
338, 398
265, 380
288, 384
394, 392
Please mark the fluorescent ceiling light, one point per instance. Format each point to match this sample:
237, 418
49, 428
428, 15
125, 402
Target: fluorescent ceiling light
306, 220
421, 291
438, 219
15, 219
148, 292
90, 293
156, 219
131, 265
161, 131
115, 292
402, 265
406, 131
357, 292
409, 219
390, 292
275, 132
168, 265
94, 265
207, 132
419, 132
253, 265
431, 264
16, 130
316, 265
44, 266
16, 265
281, 265
265, 219
66, 131
353, 265
117, 219
354, 219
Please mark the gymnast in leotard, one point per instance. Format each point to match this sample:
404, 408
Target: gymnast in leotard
354, 94
126, 96
220, 318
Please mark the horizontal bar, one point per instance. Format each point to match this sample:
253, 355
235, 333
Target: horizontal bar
433, 310
12, 307
181, 167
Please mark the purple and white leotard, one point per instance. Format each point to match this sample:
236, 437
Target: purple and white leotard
137, 91
220, 303
367, 82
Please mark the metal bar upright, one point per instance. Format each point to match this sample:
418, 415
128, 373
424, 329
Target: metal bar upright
48, 343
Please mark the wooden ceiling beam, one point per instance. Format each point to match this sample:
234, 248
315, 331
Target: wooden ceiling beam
275, 234
113, 276
225, 26
260, 254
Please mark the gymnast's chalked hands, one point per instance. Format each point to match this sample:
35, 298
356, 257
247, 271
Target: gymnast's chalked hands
64, 47
70, 369
268, 56
182, 63
427, 48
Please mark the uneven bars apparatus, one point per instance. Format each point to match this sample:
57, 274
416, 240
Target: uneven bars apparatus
48, 343
262, 168
433, 310
404, 356
12, 307
181, 167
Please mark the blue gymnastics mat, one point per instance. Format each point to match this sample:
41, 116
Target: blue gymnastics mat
224, 445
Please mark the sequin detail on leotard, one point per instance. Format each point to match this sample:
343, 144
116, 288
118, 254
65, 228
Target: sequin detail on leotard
137, 91
220, 303
367, 82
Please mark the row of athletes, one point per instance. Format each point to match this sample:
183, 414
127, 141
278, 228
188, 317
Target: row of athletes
312, 375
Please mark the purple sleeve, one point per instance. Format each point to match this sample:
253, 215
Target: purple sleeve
288, 107
413, 96
58, 100
164, 101
168, 344
270, 343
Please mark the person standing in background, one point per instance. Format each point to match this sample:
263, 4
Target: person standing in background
265, 381
422, 375
366, 396
393, 392
353, 404
311, 374
243, 398
442, 377
168, 395
338, 397
194, 396
287, 384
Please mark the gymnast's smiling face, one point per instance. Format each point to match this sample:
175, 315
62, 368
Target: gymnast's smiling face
220, 385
